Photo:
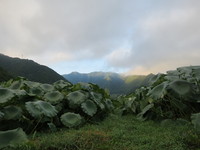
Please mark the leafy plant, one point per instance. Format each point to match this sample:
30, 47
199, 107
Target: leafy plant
40, 108
89, 107
71, 119
169, 96
12, 137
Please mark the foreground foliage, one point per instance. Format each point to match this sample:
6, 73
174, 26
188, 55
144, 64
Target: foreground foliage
117, 133
173, 95
27, 106
43, 110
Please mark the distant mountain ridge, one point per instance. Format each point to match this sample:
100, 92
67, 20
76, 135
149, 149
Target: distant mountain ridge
115, 83
28, 69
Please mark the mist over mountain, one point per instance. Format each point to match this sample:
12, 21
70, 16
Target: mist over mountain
115, 83
13, 67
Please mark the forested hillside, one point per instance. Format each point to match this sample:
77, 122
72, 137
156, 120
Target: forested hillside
115, 83
28, 69
4, 76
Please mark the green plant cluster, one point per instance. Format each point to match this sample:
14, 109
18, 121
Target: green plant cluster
170, 96
26, 107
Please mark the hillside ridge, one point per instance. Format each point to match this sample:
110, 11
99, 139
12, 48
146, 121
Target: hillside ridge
28, 69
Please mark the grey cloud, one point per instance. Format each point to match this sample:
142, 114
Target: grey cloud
65, 26
128, 34
166, 38
44, 26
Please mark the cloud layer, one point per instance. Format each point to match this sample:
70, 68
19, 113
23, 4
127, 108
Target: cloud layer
133, 36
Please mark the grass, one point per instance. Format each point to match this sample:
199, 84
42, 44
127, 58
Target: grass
117, 133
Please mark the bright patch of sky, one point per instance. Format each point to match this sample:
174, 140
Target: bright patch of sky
132, 36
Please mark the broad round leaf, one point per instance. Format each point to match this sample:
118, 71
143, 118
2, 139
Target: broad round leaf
39, 108
158, 91
71, 119
97, 98
141, 115
61, 84
180, 88
156, 78
12, 137
53, 97
47, 87
31, 84
12, 112
76, 98
36, 91
6, 95
89, 107
17, 85
20, 93
85, 86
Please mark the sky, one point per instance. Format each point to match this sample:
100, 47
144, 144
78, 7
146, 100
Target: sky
123, 36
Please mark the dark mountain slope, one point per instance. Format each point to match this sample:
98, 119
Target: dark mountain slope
28, 69
4, 75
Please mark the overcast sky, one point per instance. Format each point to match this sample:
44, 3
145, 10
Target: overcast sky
124, 36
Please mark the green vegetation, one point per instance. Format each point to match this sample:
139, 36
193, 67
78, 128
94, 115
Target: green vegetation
48, 107
169, 96
117, 133
163, 115
28, 69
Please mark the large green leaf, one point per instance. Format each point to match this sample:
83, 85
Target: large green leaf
158, 91
156, 79
47, 87
36, 91
89, 107
141, 115
32, 84
18, 84
97, 98
6, 95
76, 98
131, 104
53, 97
61, 84
20, 93
85, 86
180, 88
12, 137
196, 121
12, 112
39, 108
71, 119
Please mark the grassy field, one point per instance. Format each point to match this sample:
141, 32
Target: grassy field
117, 133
